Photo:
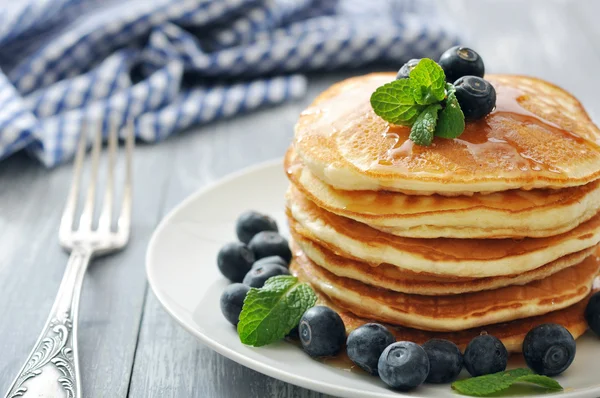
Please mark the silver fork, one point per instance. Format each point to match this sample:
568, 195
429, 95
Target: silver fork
52, 369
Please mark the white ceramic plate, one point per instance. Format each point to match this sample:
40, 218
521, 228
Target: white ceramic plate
182, 271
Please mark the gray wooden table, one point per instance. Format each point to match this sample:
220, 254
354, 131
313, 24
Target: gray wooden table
129, 346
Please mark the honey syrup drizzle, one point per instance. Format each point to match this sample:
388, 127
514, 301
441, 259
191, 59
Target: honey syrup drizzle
479, 141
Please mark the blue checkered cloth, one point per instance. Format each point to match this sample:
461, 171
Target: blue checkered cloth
170, 64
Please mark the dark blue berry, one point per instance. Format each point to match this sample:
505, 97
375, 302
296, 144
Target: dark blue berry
445, 361
232, 300
366, 343
251, 222
461, 61
476, 96
293, 334
257, 276
234, 260
269, 243
485, 354
271, 260
322, 332
403, 365
592, 313
549, 349
404, 71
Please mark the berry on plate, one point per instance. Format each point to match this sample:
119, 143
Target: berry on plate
366, 343
461, 61
232, 301
234, 260
322, 332
476, 96
257, 276
549, 349
592, 313
484, 355
403, 365
269, 243
271, 260
252, 222
445, 361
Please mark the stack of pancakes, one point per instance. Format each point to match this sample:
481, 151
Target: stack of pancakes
495, 231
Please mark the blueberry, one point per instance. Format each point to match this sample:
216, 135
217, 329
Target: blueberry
232, 301
322, 332
461, 61
366, 343
234, 260
251, 222
403, 365
445, 360
269, 243
476, 96
592, 313
271, 260
404, 71
257, 276
485, 354
293, 334
549, 349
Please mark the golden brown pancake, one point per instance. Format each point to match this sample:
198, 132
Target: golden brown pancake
508, 214
538, 136
390, 277
475, 258
511, 333
453, 312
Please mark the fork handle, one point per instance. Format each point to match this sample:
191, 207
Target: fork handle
52, 369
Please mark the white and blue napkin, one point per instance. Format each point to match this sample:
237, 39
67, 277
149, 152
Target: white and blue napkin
170, 64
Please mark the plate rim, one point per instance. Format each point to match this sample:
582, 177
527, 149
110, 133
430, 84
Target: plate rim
254, 364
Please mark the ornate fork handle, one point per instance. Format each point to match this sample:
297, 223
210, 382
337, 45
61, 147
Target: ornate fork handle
52, 368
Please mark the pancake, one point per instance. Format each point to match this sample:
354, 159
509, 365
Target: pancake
390, 277
475, 258
454, 312
538, 136
508, 214
511, 333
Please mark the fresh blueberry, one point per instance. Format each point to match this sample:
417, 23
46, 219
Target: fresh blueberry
549, 349
251, 222
232, 301
476, 96
445, 360
485, 354
257, 276
592, 313
269, 243
404, 71
293, 334
461, 61
366, 343
403, 365
234, 260
322, 332
271, 260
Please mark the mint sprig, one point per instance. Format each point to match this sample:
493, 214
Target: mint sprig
395, 103
424, 101
271, 312
427, 81
424, 127
489, 384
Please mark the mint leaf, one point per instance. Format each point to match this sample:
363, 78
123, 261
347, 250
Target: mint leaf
450, 89
394, 103
271, 312
451, 122
428, 82
489, 384
422, 130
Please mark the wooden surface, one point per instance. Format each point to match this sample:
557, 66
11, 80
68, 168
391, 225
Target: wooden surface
129, 345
